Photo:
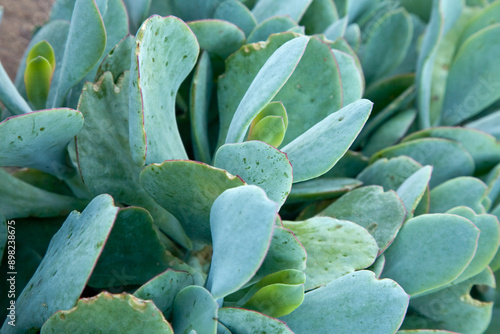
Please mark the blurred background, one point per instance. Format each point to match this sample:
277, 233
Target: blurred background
20, 18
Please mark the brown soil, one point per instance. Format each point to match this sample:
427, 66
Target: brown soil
19, 19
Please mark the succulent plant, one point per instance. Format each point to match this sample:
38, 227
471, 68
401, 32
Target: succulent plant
253, 166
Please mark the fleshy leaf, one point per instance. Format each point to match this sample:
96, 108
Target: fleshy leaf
270, 130
9, 95
218, 37
314, 86
39, 139
79, 58
352, 78
334, 248
96, 314
105, 134
285, 252
363, 304
267, 8
319, 15
237, 13
389, 173
199, 103
489, 124
188, 189
194, 309
380, 213
277, 294
118, 59
166, 51
444, 14
448, 158
473, 71
483, 148
56, 34
45, 50
163, 288
461, 191
454, 308
312, 154
20, 199
430, 251
413, 189
321, 188
390, 132
241, 237
379, 58
267, 83
259, 164
37, 80
120, 264
272, 25
239, 320
487, 244
67, 265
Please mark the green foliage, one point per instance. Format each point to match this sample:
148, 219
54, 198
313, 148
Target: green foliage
257, 166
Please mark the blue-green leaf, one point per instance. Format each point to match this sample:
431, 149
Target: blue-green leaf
242, 222
259, 164
312, 154
166, 51
67, 265
354, 303
194, 309
270, 79
430, 251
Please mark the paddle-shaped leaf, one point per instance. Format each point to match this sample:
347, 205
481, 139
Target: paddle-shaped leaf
199, 103
242, 223
413, 189
239, 320
188, 189
9, 95
268, 8
79, 58
444, 14
194, 309
106, 134
312, 153
259, 164
472, 77
39, 139
21, 199
285, 252
454, 308
381, 213
272, 25
163, 288
133, 230
218, 37
487, 244
166, 51
483, 148
235, 12
461, 191
362, 304
430, 251
448, 158
95, 315
67, 265
334, 248
379, 58
270, 79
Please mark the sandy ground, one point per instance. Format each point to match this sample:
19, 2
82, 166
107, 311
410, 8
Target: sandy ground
19, 19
